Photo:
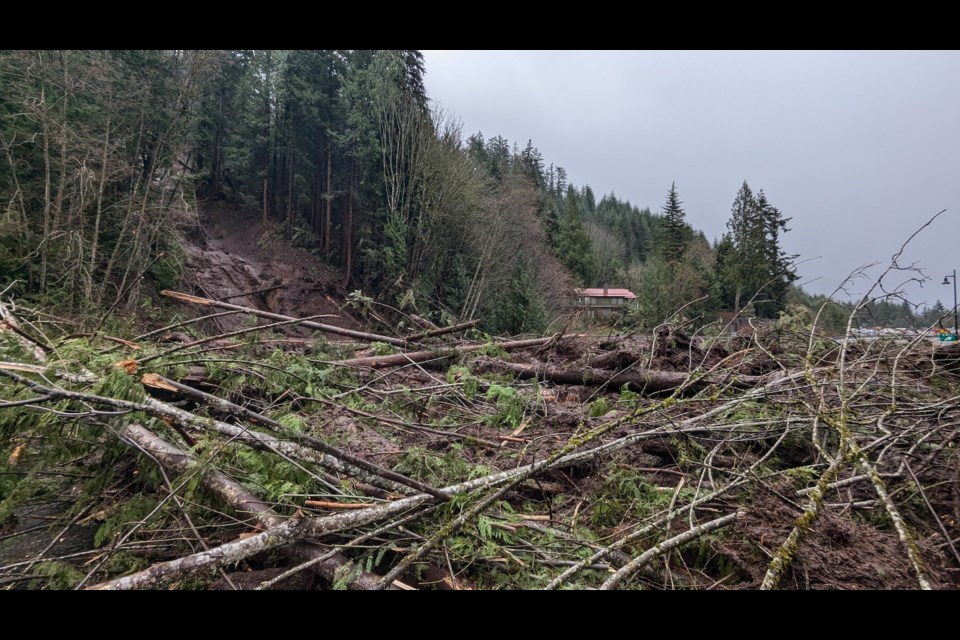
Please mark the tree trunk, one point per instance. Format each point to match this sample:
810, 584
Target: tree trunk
315, 222
279, 530
641, 381
327, 213
217, 152
348, 232
44, 244
290, 203
265, 201
326, 328
436, 354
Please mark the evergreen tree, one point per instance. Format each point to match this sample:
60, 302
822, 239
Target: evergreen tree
532, 163
675, 234
780, 271
936, 315
573, 243
588, 201
751, 262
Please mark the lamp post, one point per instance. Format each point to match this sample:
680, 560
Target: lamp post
946, 281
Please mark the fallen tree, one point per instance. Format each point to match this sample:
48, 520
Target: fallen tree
399, 359
278, 531
319, 326
645, 381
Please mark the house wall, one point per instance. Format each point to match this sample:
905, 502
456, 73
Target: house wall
603, 307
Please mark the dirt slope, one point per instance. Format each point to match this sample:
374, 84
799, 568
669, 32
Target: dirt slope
235, 253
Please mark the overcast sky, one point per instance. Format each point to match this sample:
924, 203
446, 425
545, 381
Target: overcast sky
859, 148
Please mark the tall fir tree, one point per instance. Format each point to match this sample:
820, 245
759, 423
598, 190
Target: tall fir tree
780, 270
675, 233
574, 247
751, 264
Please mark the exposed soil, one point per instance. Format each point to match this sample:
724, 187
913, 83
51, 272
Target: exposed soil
841, 551
236, 253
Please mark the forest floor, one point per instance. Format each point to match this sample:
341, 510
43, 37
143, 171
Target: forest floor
666, 460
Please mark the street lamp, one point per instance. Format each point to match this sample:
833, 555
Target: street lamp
946, 280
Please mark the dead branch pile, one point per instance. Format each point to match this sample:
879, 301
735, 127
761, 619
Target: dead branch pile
244, 460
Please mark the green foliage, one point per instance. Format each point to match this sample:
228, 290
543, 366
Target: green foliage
123, 562
12, 348
510, 406
523, 309
599, 407
14, 238
752, 264
344, 575
291, 373
359, 302
168, 269
56, 575
573, 242
374, 559
9, 481
118, 384
301, 235
625, 493
382, 349
395, 253
675, 234
630, 224
271, 477
461, 374
16, 492
493, 350
291, 421
122, 515
662, 289
628, 398
440, 470
89, 134
802, 477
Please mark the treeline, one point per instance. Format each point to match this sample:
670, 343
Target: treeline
668, 264
88, 180
103, 152
892, 314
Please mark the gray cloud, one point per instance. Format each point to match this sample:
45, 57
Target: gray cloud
859, 148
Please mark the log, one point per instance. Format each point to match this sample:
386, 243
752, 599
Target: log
319, 326
8, 321
425, 324
217, 338
226, 554
399, 359
641, 381
463, 326
327, 504
618, 359
279, 531
261, 441
85, 377
667, 545
159, 382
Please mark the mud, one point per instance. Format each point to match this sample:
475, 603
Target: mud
236, 253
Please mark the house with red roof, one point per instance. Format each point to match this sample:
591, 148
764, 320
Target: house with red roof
605, 301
